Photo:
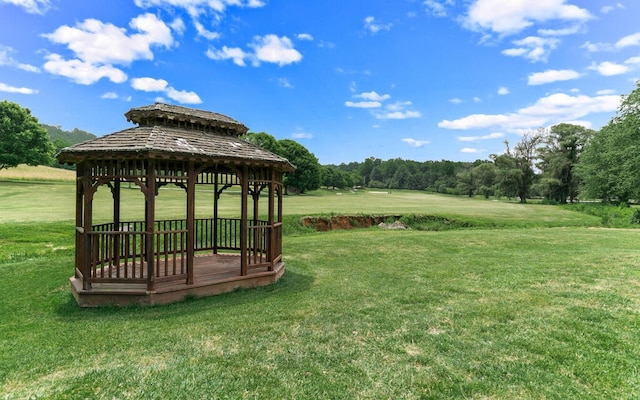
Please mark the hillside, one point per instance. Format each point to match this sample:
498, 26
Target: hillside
39, 173
69, 137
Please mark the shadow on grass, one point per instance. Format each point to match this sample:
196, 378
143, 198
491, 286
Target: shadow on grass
287, 286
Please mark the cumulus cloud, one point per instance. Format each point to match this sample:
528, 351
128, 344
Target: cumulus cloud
494, 135
12, 89
533, 48
363, 104
628, 41
374, 27
513, 17
470, 150
455, 100
269, 48
373, 96
147, 84
304, 36
607, 68
552, 75
302, 135
503, 91
552, 109
98, 47
109, 95
31, 6
415, 143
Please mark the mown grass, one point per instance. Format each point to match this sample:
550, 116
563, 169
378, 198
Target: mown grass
519, 312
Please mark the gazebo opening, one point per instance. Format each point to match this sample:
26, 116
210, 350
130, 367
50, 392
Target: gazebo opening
145, 254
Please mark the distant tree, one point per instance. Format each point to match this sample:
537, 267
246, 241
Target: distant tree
265, 141
485, 178
22, 139
466, 182
610, 163
560, 154
307, 175
516, 166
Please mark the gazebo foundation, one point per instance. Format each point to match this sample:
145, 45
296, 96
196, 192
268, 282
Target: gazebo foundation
214, 274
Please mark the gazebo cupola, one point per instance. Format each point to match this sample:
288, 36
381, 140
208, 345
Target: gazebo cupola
148, 260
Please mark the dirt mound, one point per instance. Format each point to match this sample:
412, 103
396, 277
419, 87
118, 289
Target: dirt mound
334, 222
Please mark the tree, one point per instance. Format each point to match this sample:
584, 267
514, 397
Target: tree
22, 139
611, 159
562, 149
265, 141
516, 166
307, 174
485, 178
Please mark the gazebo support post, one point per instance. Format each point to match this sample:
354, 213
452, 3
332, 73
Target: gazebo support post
79, 225
191, 196
150, 215
87, 223
116, 215
244, 178
272, 231
216, 197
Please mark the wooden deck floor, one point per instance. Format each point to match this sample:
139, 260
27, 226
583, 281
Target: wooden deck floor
213, 274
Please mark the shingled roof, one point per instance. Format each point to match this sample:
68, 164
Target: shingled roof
172, 142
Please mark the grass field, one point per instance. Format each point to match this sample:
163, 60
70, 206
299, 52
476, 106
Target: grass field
534, 302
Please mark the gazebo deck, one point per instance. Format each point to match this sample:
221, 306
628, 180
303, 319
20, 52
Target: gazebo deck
213, 274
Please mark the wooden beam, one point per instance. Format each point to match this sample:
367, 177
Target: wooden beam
244, 220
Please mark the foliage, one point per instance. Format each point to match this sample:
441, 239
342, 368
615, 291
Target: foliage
307, 174
611, 159
516, 166
22, 139
70, 137
561, 152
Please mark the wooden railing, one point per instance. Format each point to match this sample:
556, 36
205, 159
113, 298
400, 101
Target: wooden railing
118, 254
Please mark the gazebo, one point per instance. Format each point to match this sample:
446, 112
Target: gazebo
146, 260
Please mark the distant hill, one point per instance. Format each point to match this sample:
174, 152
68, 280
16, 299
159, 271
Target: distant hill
68, 137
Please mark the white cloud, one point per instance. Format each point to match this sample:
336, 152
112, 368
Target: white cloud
455, 100
503, 91
273, 49
269, 48
12, 89
160, 85
561, 32
438, 8
199, 7
477, 99
628, 41
302, 135
608, 9
81, 72
228, 53
109, 95
507, 18
149, 84
470, 150
284, 82
533, 48
633, 60
552, 109
494, 135
304, 36
372, 26
31, 6
96, 42
415, 143
552, 75
607, 68
363, 104
204, 32
605, 91
373, 96
399, 115
6, 59
593, 47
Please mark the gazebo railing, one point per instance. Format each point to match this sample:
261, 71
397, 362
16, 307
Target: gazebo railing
117, 254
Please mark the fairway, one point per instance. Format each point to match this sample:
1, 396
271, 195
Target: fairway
533, 302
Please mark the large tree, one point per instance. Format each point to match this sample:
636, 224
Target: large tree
560, 154
610, 163
516, 166
22, 139
307, 175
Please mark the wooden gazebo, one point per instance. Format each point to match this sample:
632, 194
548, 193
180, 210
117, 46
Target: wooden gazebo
145, 260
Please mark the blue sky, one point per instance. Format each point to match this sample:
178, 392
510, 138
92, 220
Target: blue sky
415, 79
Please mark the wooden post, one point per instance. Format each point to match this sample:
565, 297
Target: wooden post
272, 231
88, 191
79, 220
216, 197
191, 215
116, 217
150, 216
244, 220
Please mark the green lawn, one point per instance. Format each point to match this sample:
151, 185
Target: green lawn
544, 307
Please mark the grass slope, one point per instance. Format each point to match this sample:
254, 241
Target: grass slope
518, 313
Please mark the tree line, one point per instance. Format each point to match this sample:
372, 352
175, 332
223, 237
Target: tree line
563, 163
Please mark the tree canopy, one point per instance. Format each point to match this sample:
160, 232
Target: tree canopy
22, 139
